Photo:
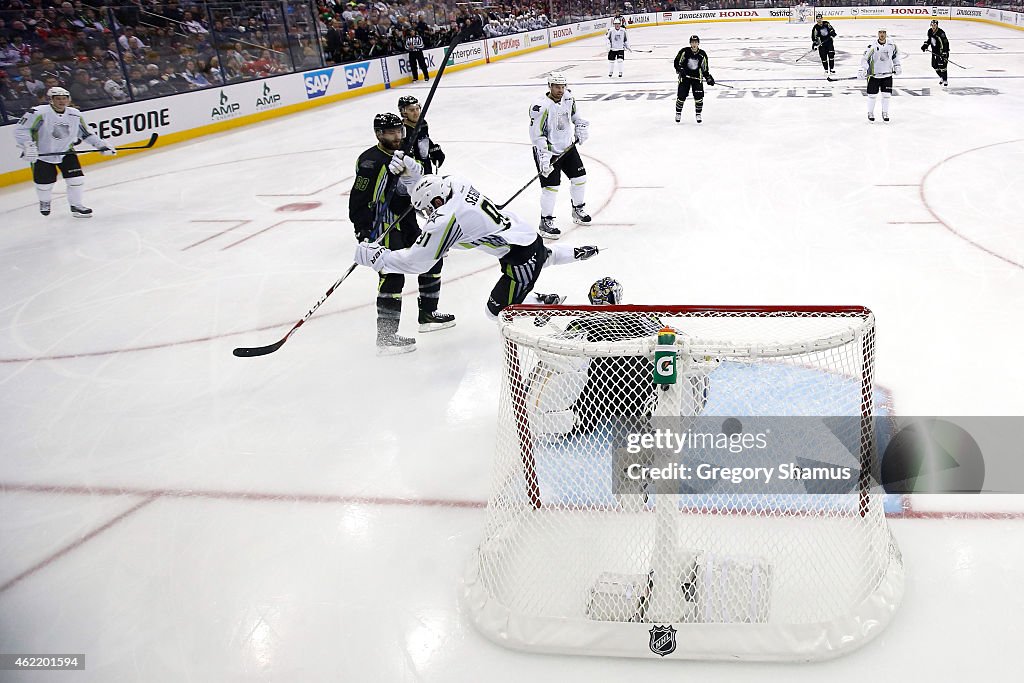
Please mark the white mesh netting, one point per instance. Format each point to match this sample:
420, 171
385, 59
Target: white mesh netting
579, 557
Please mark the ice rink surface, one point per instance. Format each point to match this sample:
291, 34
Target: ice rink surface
179, 514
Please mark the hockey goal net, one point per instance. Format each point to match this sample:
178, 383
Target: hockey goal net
586, 552
801, 13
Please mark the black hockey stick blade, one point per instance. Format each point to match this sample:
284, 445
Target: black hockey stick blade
250, 351
149, 143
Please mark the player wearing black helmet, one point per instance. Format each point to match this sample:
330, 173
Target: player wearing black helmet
425, 150
382, 172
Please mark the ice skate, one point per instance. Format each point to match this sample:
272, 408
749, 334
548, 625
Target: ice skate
547, 228
432, 322
44, 208
389, 342
580, 216
79, 211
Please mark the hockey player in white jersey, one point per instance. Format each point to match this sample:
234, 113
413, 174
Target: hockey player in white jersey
618, 43
555, 130
459, 217
47, 135
880, 62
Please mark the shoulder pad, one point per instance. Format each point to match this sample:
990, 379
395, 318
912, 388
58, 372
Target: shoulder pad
367, 163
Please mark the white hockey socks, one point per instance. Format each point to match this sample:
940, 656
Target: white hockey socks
76, 191
871, 104
44, 192
885, 103
577, 190
611, 67
548, 196
618, 63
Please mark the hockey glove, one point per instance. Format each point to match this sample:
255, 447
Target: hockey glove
31, 152
436, 155
108, 151
544, 162
897, 69
583, 253
364, 235
862, 74
582, 132
403, 164
924, 46
370, 255
710, 80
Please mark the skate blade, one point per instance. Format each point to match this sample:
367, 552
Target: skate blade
434, 327
395, 350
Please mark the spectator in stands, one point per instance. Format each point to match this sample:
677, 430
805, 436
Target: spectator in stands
130, 42
195, 78
139, 88
191, 25
332, 45
33, 84
115, 86
214, 74
85, 94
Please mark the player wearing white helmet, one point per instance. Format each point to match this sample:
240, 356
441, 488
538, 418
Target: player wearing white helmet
556, 129
880, 62
618, 43
460, 217
47, 135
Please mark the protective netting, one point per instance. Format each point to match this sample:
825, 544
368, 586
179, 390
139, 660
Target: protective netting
579, 555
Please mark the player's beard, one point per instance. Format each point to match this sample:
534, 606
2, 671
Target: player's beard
392, 146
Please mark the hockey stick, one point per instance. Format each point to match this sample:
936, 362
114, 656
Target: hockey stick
710, 85
806, 53
950, 61
523, 188
250, 351
844, 78
149, 143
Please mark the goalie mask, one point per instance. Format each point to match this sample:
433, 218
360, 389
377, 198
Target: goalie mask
430, 193
605, 292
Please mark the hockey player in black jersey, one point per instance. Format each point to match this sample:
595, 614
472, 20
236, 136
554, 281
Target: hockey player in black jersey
425, 150
378, 170
939, 46
822, 34
691, 65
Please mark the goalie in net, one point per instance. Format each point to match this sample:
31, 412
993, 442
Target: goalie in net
611, 394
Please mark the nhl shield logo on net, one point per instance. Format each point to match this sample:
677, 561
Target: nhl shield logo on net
663, 640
